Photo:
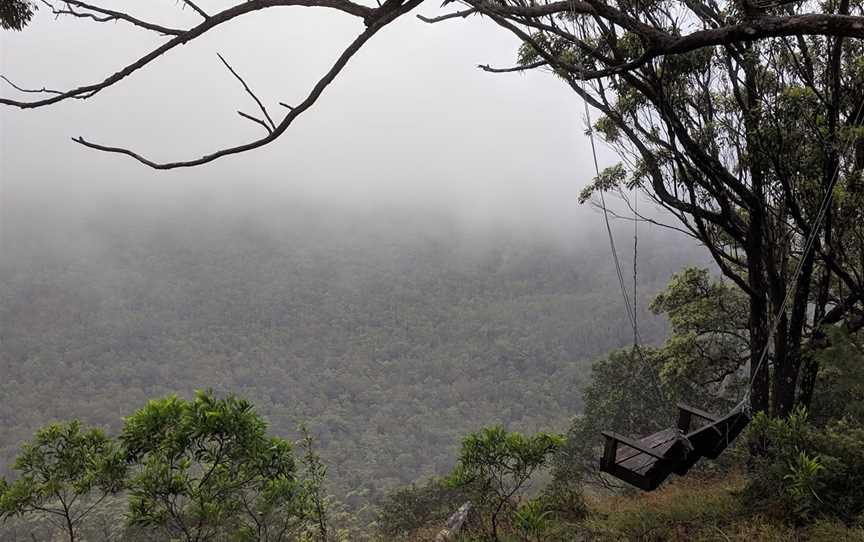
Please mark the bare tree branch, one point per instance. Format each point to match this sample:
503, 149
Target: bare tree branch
107, 15
249, 91
200, 11
346, 6
42, 90
256, 120
521, 18
458, 14
525, 67
389, 11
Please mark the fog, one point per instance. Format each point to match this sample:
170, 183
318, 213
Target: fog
411, 125
407, 263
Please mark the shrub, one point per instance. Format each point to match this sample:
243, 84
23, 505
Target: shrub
806, 472
410, 508
495, 467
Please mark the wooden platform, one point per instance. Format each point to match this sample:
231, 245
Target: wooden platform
648, 461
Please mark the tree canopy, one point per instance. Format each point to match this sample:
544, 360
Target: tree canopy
16, 14
65, 473
194, 470
206, 467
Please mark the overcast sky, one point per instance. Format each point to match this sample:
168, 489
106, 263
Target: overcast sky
411, 122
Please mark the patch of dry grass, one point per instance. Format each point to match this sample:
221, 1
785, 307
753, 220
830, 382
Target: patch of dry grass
690, 509
700, 510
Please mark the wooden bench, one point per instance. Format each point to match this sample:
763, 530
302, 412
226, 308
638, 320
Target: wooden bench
646, 462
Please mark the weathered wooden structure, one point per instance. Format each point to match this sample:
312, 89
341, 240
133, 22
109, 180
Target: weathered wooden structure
648, 461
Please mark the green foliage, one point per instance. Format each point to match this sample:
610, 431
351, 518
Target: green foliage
64, 473
391, 341
554, 45
532, 519
610, 178
803, 484
495, 466
709, 340
563, 498
807, 471
205, 468
313, 478
634, 393
195, 470
15, 14
419, 505
840, 386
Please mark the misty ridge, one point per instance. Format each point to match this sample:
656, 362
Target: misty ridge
483, 271
390, 330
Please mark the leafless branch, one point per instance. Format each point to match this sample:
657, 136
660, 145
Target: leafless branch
249, 91
85, 91
389, 11
525, 67
256, 120
200, 11
455, 15
642, 218
42, 90
107, 15
521, 18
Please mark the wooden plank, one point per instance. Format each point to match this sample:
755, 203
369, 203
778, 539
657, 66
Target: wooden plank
700, 413
632, 478
684, 420
711, 440
642, 462
645, 463
638, 445
610, 452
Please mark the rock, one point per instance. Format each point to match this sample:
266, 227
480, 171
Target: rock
454, 524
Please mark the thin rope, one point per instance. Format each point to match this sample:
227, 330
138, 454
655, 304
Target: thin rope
630, 308
635, 262
590, 132
823, 208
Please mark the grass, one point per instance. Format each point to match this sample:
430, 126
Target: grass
691, 509
700, 510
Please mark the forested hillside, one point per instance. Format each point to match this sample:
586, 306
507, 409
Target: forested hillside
389, 337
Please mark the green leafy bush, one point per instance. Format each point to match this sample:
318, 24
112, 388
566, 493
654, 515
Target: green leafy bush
839, 390
64, 474
532, 519
410, 508
196, 470
495, 467
804, 471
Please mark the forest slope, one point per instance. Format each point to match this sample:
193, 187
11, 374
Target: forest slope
391, 339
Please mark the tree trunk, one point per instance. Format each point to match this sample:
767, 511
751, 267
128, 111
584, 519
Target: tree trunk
758, 325
755, 247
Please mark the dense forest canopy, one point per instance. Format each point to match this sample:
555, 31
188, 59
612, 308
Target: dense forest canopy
388, 332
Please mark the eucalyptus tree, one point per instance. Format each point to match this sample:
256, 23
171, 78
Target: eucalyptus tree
204, 469
736, 117
64, 474
740, 141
